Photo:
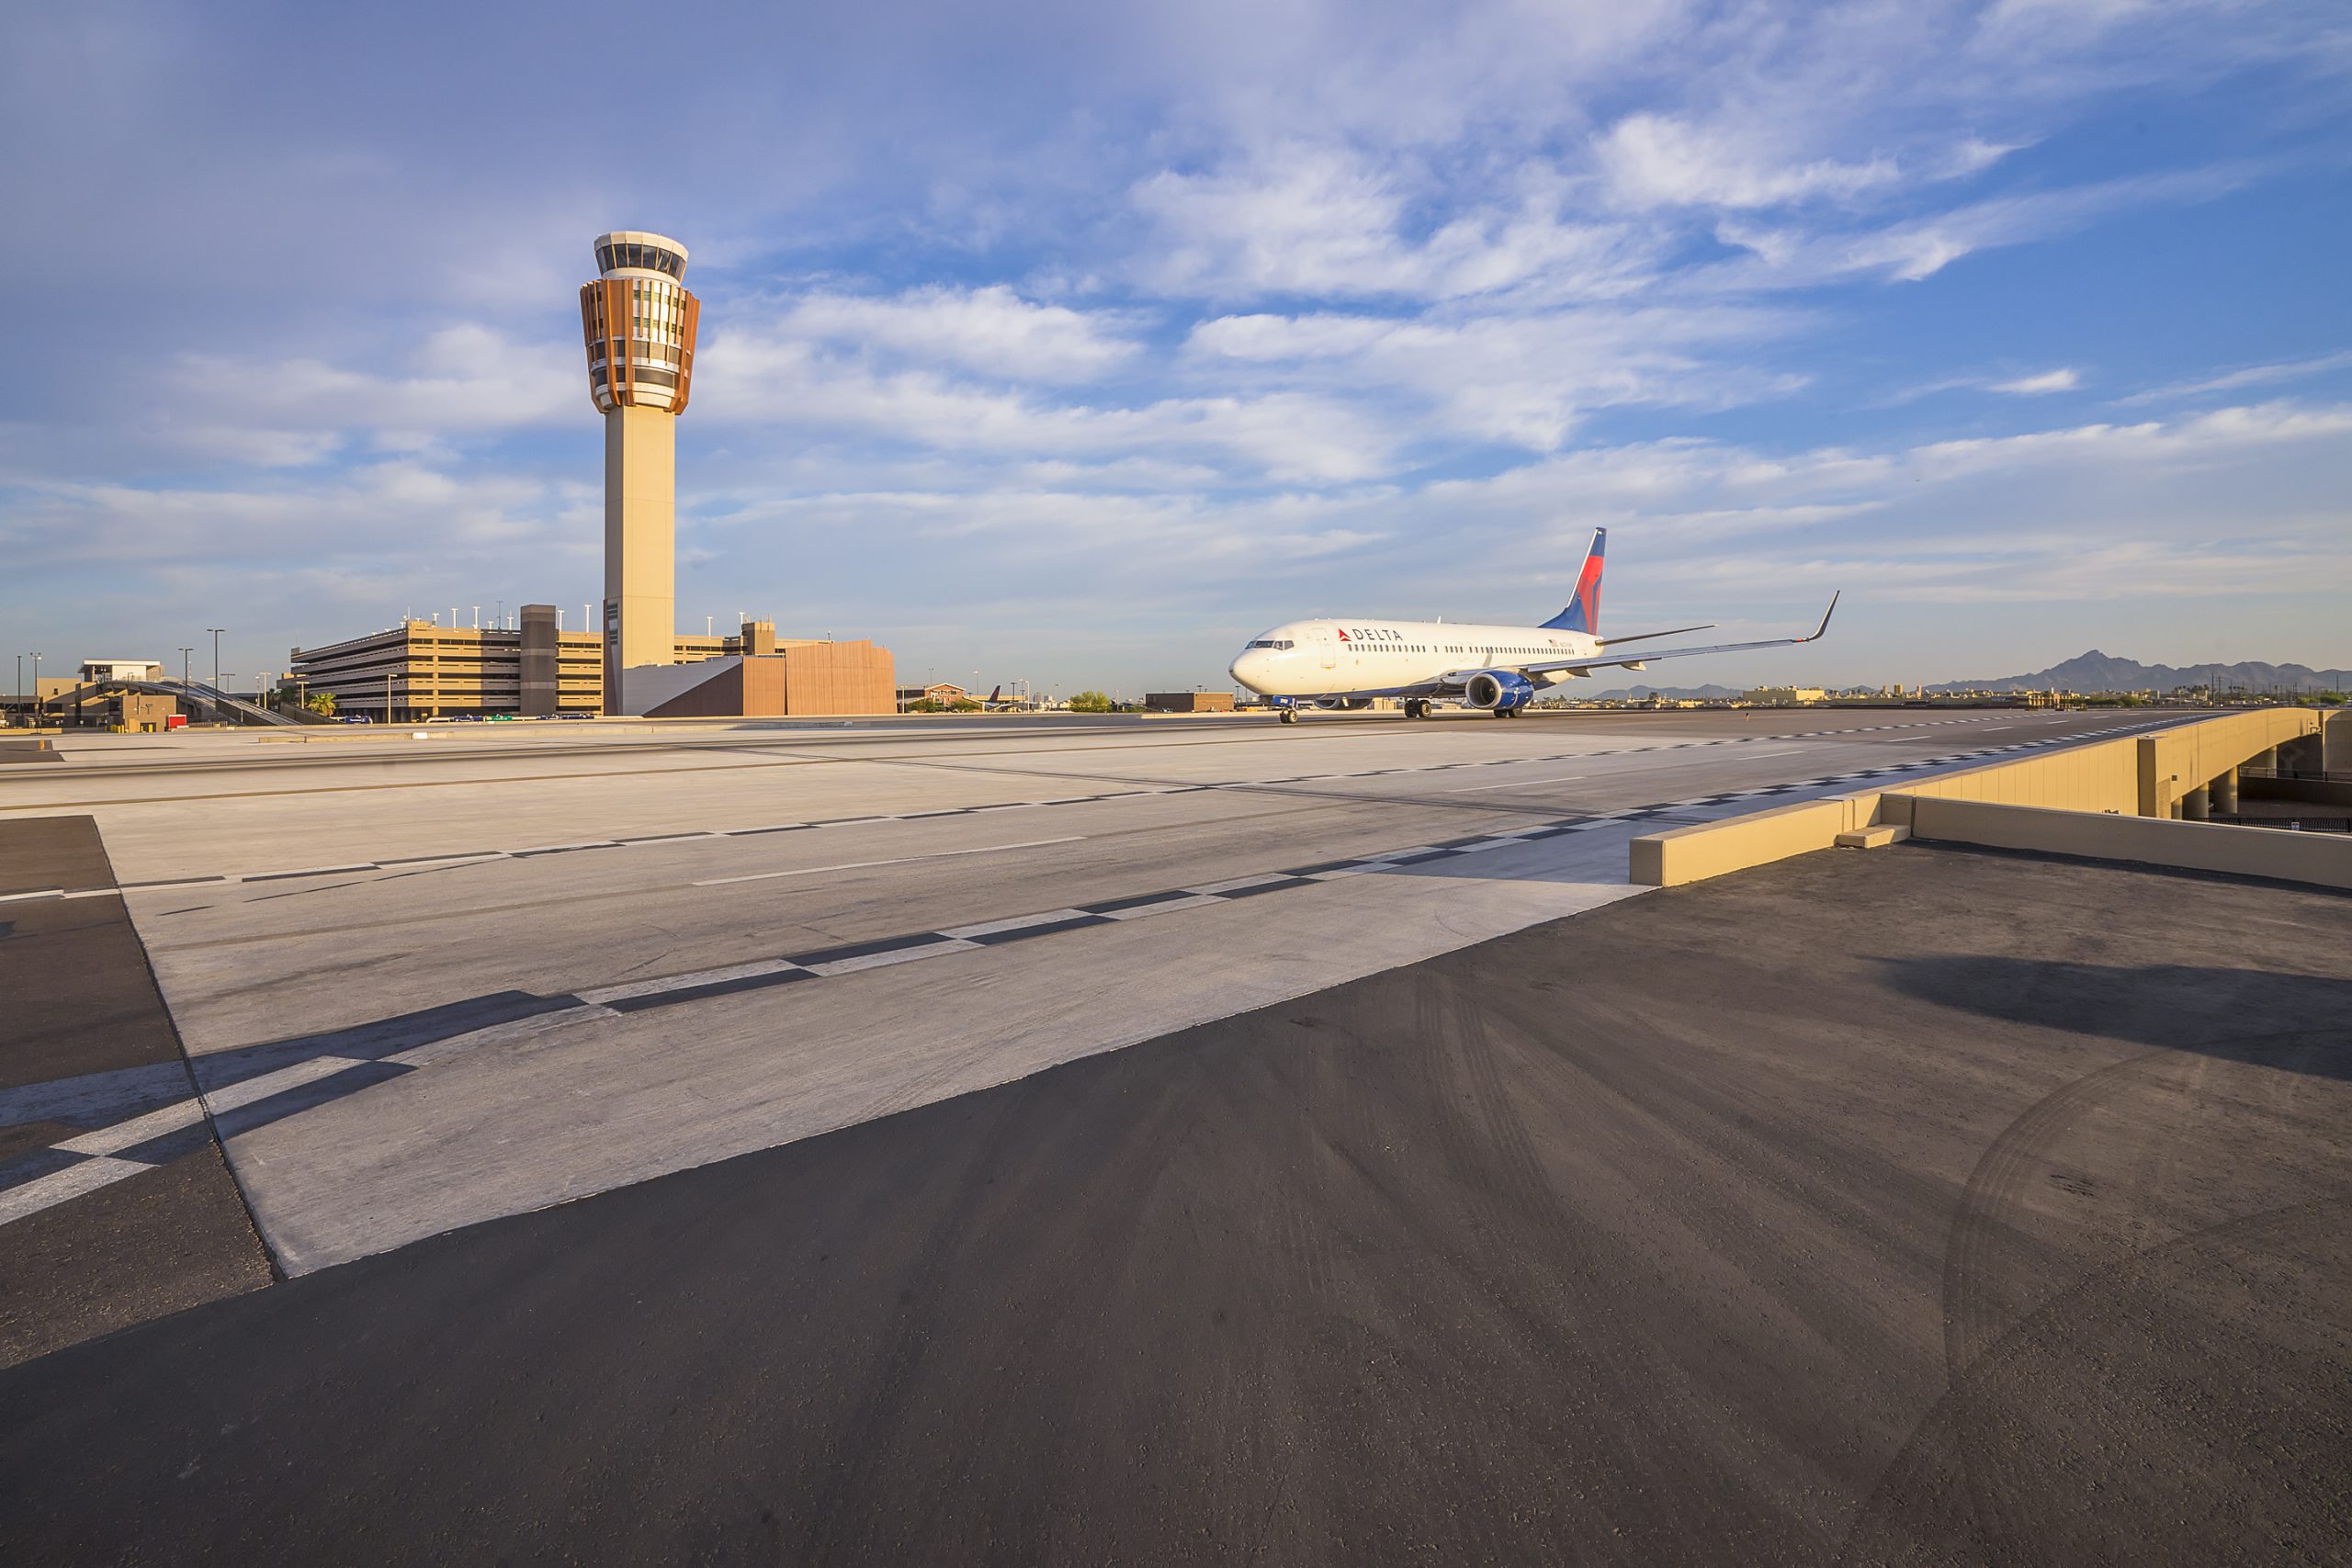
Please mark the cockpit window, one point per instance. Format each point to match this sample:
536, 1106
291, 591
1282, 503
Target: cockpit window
1269, 642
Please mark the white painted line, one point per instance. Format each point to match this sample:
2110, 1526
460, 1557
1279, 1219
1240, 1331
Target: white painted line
902, 860
44, 892
138, 1130
604, 993
1529, 783
58, 1185
513, 1030
1019, 922
1234, 885
229, 1097
897, 955
1165, 906
305, 871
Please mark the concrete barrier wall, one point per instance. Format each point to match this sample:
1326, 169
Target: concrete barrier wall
1693, 855
2133, 776
2102, 776
2320, 860
2174, 762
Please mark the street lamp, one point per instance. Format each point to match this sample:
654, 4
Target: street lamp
216, 632
40, 708
183, 653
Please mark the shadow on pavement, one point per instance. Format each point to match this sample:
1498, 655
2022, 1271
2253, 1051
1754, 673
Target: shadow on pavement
2172, 1005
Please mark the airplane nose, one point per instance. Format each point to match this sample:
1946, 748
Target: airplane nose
1247, 666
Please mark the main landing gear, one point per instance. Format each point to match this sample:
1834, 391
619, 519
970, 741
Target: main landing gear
1416, 707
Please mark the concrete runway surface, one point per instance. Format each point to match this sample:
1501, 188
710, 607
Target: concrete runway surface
426, 984
1917, 1206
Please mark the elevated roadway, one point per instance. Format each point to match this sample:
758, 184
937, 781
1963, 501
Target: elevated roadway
424, 987
1920, 1207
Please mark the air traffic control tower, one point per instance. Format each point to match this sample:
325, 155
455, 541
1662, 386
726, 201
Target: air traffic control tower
639, 323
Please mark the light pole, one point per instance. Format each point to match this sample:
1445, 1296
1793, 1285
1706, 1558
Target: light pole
183, 653
216, 632
40, 708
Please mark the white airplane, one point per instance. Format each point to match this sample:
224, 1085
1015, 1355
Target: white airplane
1347, 663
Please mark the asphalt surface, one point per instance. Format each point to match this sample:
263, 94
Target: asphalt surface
166, 1229
1918, 1206
426, 984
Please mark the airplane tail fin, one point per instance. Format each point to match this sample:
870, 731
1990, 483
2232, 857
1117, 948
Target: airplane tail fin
998, 694
1583, 613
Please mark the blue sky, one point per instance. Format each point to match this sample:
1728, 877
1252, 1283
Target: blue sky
1077, 343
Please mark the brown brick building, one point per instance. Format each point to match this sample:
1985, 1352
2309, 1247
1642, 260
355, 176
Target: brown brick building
418, 671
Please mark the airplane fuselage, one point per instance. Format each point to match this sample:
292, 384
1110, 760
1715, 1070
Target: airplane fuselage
1342, 658
1347, 663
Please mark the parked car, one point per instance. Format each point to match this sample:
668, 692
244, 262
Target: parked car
354, 718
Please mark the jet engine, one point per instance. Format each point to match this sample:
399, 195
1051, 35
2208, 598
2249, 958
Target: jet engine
1498, 691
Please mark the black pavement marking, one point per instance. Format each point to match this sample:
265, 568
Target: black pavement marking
287, 1102
465, 854
309, 871
714, 988
38, 1163
1043, 928
1274, 887
866, 949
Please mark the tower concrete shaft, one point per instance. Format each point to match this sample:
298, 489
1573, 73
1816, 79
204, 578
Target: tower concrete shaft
639, 323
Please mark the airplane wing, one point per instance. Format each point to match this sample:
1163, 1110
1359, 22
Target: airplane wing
1637, 661
1644, 637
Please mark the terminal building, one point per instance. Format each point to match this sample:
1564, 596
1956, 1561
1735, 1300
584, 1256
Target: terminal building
422, 671
639, 324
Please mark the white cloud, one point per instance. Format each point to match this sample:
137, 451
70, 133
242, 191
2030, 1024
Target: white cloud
2048, 382
463, 380
2250, 376
744, 379
1524, 380
1303, 219
989, 330
1653, 160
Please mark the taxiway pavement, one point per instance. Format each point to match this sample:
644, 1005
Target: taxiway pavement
1915, 1206
494, 971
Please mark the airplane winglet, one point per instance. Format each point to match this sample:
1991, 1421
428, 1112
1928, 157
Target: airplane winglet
1824, 627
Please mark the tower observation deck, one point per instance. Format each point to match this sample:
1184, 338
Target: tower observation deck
639, 321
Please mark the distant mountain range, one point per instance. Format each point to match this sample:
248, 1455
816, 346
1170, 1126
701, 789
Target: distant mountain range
2094, 671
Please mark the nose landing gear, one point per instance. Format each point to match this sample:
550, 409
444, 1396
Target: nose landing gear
1290, 716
